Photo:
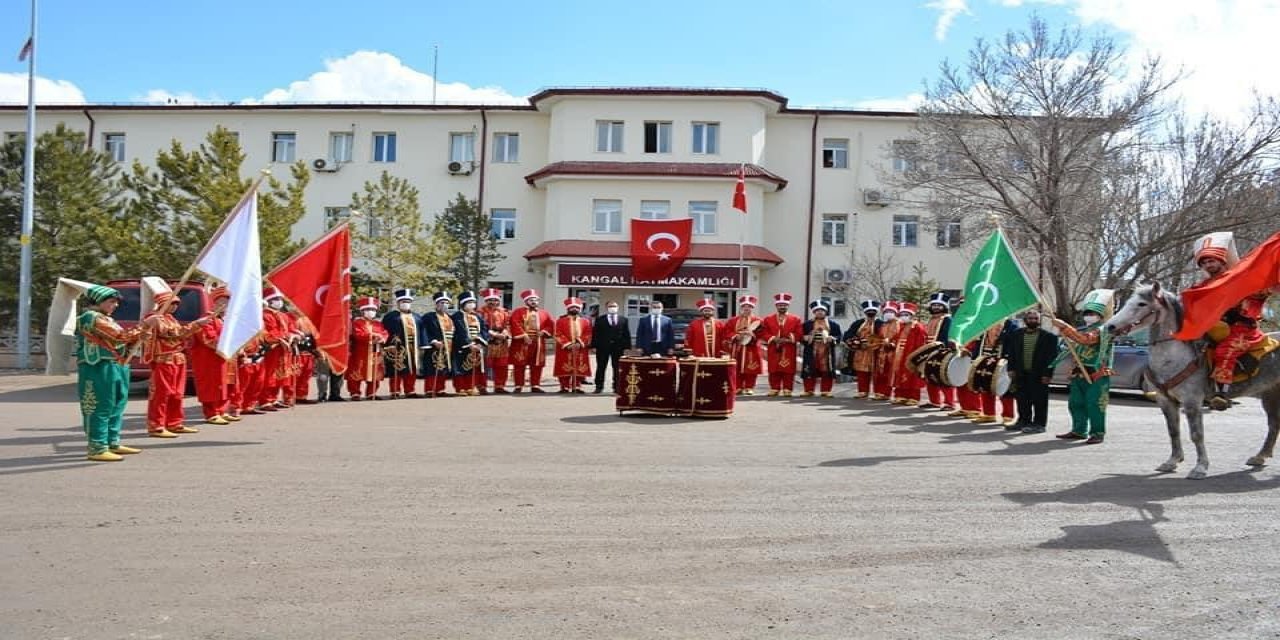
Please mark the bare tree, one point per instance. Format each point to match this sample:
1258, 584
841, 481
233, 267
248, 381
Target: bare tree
874, 274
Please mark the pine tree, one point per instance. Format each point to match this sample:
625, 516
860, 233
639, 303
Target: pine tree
76, 197
393, 246
476, 252
919, 287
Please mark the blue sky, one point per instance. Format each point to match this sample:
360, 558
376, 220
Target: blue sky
816, 52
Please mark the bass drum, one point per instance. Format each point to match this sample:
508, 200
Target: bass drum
957, 371
935, 366
916, 359
990, 374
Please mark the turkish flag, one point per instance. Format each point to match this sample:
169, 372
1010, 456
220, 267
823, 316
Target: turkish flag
317, 282
659, 247
740, 190
1204, 305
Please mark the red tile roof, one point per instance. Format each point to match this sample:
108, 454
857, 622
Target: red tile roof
661, 169
622, 249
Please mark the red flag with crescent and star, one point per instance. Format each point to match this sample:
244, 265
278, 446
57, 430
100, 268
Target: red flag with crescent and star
317, 282
659, 247
740, 190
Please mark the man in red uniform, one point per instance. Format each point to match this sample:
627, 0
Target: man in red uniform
276, 337
306, 360
163, 343
781, 332
367, 337
742, 341
497, 357
573, 339
938, 329
911, 336
705, 336
1215, 254
244, 397
882, 382
209, 368
530, 327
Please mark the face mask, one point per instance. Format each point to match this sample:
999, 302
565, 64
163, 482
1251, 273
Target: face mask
406, 307
276, 304
470, 306
656, 312
613, 311
889, 315
1090, 318
370, 313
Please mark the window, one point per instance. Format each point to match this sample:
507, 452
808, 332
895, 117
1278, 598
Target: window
334, 216
606, 216
637, 305
722, 300
835, 153
384, 147
703, 213
502, 223
657, 137
340, 145
284, 147
706, 137
506, 147
906, 154
949, 233
655, 209
839, 306
113, 144
905, 230
609, 136
461, 147
835, 227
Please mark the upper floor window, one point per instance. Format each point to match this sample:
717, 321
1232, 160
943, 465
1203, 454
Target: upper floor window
835, 229
905, 231
502, 223
284, 146
657, 137
609, 136
462, 147
835, 153
703, 213
655, 209
334, 216
340, 145
506, 147
706, 137
606, 216
113, 144
906, 155
384, 147
949, 233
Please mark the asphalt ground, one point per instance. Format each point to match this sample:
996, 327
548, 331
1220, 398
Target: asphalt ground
554, 517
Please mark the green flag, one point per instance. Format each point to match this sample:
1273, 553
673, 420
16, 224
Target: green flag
996, 288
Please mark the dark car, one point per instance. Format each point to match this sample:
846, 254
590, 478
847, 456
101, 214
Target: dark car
680, 321
1131, 356
193, 303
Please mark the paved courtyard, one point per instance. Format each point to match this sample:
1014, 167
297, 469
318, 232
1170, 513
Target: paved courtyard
553, 517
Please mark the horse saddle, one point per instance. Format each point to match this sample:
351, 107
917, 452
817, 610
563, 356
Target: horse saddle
1247, 364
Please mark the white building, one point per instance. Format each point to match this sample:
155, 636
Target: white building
563, 175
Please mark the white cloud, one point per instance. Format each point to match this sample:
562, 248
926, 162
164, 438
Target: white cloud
948, 9
13, 89
372, 76
163, 96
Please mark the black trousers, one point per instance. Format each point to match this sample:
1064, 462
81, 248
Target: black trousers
335, 387
1033, 400
603, 359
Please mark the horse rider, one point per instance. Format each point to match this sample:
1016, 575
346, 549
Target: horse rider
1215, 253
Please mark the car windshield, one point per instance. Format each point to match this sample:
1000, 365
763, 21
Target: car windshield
188, 308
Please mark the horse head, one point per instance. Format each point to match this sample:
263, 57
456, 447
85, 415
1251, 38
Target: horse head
1146, 307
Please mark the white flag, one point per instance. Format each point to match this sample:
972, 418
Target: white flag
59, 334
233, 257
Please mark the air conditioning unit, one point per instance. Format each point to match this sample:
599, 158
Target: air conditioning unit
875, 197
327, 166
837, 276
461, 168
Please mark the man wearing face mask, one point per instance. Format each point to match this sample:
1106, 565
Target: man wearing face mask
610, 337
498, 355
654, 335
400, 355
882, 382
1091, 350
208, 368
1030, 353
530, 327
470, 339
437, 333
367, 337
277, 365
573, 338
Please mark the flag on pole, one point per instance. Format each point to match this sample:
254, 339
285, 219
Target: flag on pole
659, 247
233, 257
1205, 303
740, 190
27, 49
59, 341
317, 282
997, 287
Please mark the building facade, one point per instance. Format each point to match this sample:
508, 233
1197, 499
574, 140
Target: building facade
563, 176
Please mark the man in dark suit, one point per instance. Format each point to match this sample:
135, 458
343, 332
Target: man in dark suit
1031, 353
654, 334
609, 337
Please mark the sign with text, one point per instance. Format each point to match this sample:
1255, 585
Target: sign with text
619, 275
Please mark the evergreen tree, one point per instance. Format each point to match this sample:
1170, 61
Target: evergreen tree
476, 254
392, 244
177, 207
919, 287
76, 196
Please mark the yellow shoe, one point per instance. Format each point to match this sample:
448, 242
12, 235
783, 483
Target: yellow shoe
163, 433
859, 395
749, 392
183, 429
972, 414
985, 420
123, 450
218, 420
773, 392
230, 418
105, 456
807, 394
826, 394
786, 393
911, 403
958, 413
879, 396
1009, 422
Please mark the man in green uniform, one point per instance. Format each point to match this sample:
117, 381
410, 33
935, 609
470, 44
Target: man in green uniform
1091, 350
102, 351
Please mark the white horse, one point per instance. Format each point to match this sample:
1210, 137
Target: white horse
1179, 373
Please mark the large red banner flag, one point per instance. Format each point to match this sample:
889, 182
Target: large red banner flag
740, 190
317, 282
659, 247
1204, 304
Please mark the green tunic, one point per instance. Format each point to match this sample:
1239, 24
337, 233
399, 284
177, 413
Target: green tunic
103, 381
1087, 399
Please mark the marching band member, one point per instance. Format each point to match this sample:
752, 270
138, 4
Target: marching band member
437, 333
367, 338
471, 337
280, 338
741, 332
1091, 353
498, 355
864, 341
102, 365
781, 333
882, 380
990, 345
818, 368
573, 339
305, 366
248, 387
530, 327
400, 354
703, 336
163, 345
938, 329
907, 383
209, 368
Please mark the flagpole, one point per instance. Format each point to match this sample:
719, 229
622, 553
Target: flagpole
742, 235
28, 205
253, 190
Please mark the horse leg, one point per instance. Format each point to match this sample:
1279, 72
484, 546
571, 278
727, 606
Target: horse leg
1195, 424
1172, 421
1270, 405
